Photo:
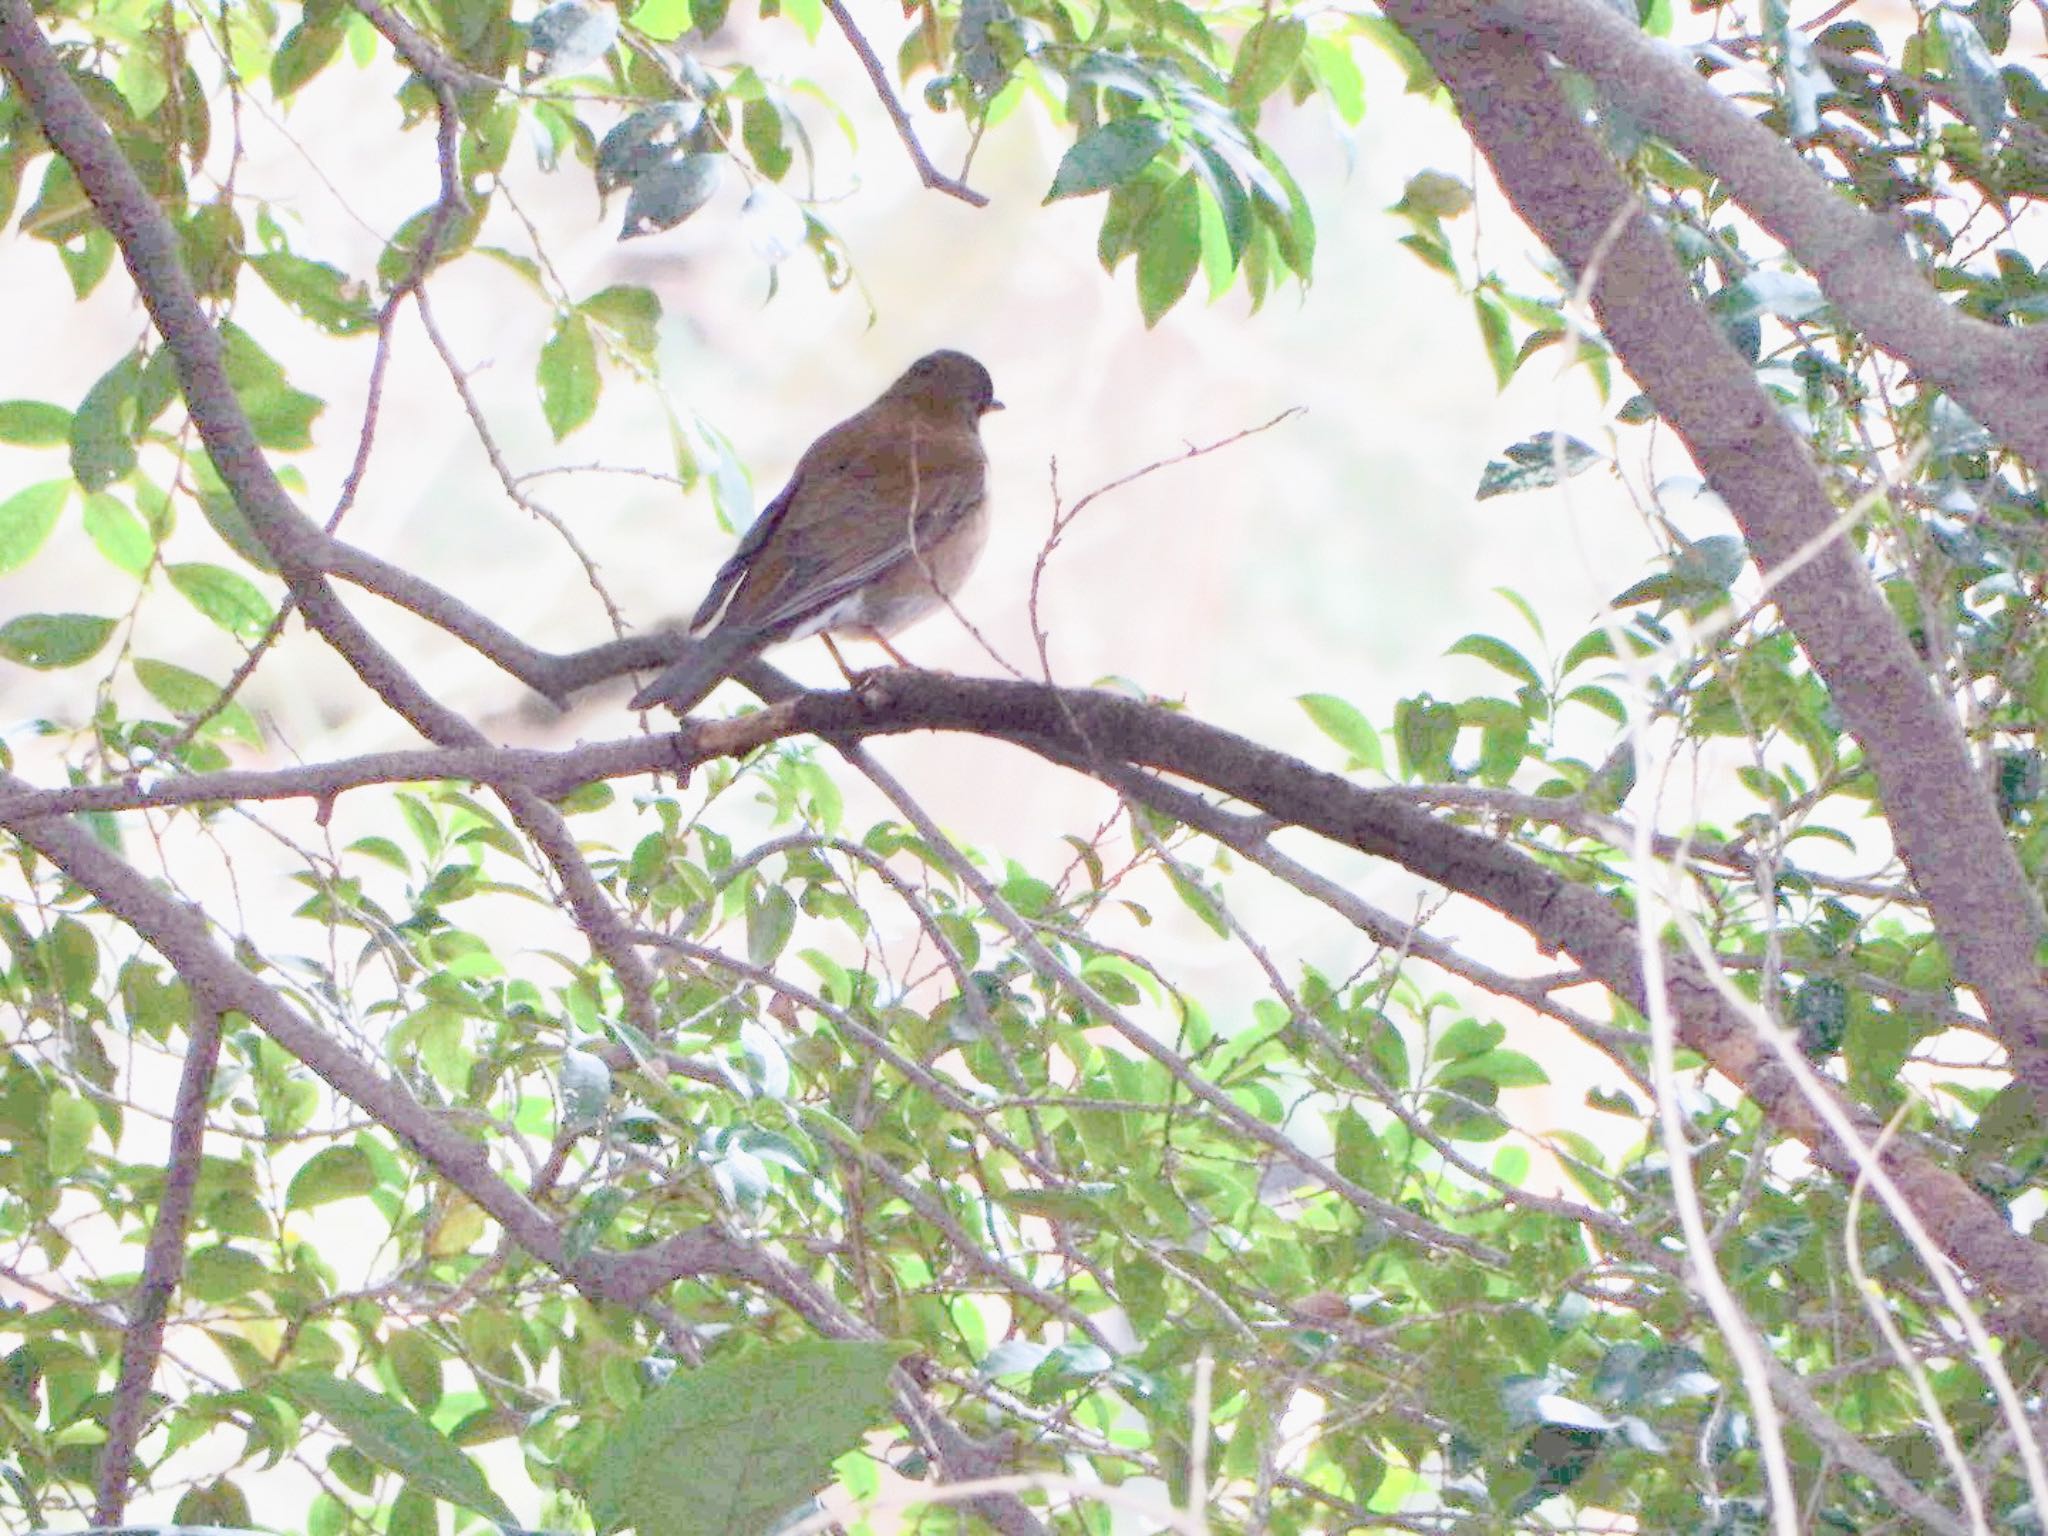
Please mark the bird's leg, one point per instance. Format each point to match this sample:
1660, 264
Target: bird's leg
852, 678
895, 655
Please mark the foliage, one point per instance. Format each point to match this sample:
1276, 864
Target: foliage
780, 1074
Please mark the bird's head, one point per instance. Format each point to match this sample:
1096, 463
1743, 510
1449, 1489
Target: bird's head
947, 382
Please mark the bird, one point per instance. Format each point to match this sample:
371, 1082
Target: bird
881, 521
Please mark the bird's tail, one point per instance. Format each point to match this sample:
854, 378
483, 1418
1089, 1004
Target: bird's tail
702, 667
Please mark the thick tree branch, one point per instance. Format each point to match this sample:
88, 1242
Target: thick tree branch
149, 247
163, 1266
1107, 734
1563, 183
1858, 257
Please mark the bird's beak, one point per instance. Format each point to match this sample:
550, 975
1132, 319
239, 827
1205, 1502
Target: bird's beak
993, 405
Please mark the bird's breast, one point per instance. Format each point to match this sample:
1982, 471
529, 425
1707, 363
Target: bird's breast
916, 585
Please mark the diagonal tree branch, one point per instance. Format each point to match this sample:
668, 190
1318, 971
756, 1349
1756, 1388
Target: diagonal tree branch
1858, 257
878, 76
149, 247
1563, 183
163, 1266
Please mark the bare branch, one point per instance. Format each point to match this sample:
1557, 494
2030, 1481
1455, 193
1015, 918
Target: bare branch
878, 75
163, 1266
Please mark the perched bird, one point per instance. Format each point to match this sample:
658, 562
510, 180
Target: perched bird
879, 525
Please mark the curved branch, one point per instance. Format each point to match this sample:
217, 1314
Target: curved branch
878, 75
1563, 183
149, 247
1105, 735
1858, 257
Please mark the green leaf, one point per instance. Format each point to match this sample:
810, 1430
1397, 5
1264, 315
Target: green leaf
416, 1363
50, 640
662, 20
281, 416
450, 234
223, 1272
102, 431
225, 514
1232, 202
306, 50
1198, 899
631, 314
669, 192
34, 423
1536, 462
1169, 248
761, 132
71, 1123
26, 519
1266, 56
333, 1173
231, 601
1339, 76
179, 691
1343, 724
729, 1448
323, 295
771, 918
1499, 655
1498, 336
568, 376
118, 533
1113, 153
1425, 730
398, 1439
1509, 1069
1973, 71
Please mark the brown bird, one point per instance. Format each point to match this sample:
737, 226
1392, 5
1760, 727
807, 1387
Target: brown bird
878, 526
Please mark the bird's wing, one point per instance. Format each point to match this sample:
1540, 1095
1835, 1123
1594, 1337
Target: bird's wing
866, 495
712, 609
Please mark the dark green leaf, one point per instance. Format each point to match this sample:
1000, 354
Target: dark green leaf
732, 1446
1113, 153
668, 193
1265, 58
102, 431
395, 1437
761, 132
1228, 193
1425, 730
1536, 462
572, 35
306, 50
1169, 249
321, 294
771, 919
1973, 71
225, 515
332, 1173
281, 415
223, 1272
51, 640
640, 141
435, 230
